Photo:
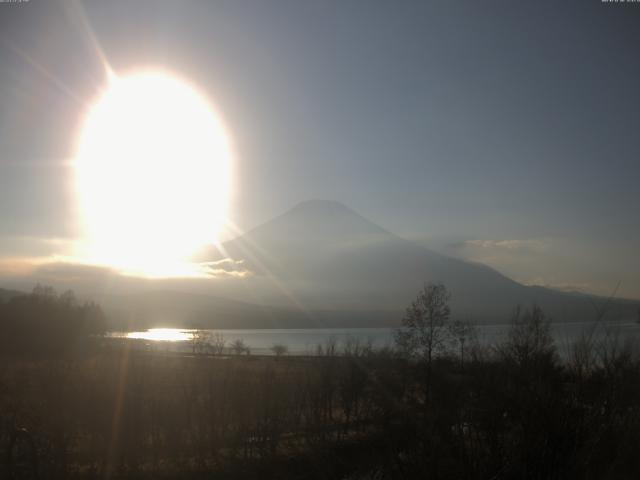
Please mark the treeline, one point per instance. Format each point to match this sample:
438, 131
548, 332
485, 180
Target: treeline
45, 323
438, 405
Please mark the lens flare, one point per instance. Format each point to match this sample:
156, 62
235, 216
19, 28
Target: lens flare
153, 171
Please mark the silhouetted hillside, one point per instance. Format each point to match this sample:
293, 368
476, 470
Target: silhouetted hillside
9, 294
44, 322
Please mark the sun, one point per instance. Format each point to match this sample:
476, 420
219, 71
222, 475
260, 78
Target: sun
152, 167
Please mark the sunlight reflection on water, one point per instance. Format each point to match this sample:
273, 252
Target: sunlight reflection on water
163, 335
305, 341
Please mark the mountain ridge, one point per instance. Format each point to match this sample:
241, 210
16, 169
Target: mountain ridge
329, 256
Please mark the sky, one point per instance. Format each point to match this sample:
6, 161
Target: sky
497, 131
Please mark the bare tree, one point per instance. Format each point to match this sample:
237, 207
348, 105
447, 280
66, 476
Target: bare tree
279, 349
44, 292
328, 349
461, 332
238, 347
200, 341
423, 333
68, 298
354, 347
530, 340
217, 343
583, 353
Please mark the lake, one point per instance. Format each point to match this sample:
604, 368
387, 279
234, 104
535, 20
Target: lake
305, 341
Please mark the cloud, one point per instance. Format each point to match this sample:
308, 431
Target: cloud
219, 272
62, 271
23, 273
226, 267
69, 273
562, 286
549, 262
225, 261
535, 244
33, 246
17, 266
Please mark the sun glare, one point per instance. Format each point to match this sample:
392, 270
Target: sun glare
152, 175
162, 335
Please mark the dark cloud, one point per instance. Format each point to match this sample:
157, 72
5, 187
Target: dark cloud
66, 272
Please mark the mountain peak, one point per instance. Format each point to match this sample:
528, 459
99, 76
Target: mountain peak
327, 211
321, 205
314, 224
323, 220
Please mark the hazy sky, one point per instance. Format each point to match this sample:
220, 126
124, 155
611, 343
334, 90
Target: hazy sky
504, 132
